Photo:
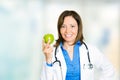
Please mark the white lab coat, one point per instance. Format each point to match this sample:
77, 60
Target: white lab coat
97, 59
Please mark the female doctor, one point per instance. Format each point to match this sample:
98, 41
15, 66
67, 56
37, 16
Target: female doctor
71, 58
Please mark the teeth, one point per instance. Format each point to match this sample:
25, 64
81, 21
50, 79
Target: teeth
68, 35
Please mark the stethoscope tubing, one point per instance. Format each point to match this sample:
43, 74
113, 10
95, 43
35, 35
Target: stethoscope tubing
88, 55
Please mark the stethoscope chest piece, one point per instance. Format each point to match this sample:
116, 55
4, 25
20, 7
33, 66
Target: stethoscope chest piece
90, 66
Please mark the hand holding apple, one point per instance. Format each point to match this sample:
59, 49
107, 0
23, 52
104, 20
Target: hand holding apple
49, 37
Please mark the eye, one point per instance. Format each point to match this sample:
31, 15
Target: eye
72, 26
63, 26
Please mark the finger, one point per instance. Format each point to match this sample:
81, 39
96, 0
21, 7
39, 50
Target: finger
46, 46
48, 42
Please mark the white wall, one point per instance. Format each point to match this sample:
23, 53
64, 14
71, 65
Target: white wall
24, 22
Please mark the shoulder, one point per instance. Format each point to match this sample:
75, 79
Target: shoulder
89, 46
93, 49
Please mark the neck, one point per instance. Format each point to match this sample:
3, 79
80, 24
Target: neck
68, 43
68, 46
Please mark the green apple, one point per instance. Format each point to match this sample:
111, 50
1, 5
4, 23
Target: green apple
48, 37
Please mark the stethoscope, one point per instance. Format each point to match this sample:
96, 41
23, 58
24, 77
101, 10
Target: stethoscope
90, 65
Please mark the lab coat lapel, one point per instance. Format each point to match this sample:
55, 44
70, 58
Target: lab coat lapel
62, 60
86, 74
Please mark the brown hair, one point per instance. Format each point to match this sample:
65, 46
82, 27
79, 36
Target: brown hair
76, 16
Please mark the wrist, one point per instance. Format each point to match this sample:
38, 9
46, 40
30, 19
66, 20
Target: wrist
49, 61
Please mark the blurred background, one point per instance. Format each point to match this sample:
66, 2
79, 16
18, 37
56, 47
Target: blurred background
24, 22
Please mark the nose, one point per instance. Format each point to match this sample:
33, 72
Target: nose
68, 29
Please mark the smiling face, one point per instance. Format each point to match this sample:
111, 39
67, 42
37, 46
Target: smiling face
69, 29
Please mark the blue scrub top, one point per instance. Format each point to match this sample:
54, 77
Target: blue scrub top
73, 66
